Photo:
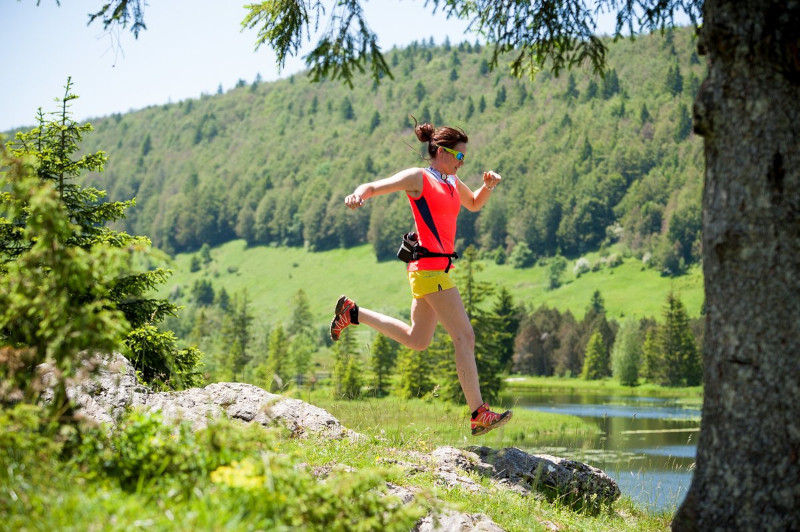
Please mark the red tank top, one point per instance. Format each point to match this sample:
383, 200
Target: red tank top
435, 213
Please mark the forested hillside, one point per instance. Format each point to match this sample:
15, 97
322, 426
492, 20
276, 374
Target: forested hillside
586, 161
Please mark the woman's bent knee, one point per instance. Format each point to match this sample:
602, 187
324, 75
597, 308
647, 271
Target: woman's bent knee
418, 345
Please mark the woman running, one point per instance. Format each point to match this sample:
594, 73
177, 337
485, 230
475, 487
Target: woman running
436, 195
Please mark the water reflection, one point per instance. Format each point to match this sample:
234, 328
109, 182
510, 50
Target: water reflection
647, 444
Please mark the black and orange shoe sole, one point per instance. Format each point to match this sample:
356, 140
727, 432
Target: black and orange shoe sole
504, 418
337, 313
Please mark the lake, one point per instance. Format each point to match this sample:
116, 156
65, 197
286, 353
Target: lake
647, 444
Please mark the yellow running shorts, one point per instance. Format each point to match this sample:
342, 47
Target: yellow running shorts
424, 282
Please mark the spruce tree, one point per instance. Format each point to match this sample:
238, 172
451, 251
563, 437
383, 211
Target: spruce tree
53, 147
674, 82
301, 349
41, 320
344, 350
508, 319
375, 121
383, 359
352, 380
488, 329
274, 370
302, 320
670, 352
413, 374
594, 363
652, 361
683, 366
441, 355
571, 92
237, 332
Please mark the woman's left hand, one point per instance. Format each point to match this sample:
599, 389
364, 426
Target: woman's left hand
491, 179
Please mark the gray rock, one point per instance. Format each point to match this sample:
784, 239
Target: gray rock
575, 483
114, 388
451, 521
572, 482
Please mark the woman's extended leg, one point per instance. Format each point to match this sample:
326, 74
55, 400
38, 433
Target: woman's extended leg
449, 310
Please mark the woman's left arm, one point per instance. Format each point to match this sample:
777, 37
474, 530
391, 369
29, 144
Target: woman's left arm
475, 200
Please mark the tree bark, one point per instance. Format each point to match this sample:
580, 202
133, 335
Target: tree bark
747, 475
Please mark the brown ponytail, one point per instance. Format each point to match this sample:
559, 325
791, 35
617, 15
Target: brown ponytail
435, 137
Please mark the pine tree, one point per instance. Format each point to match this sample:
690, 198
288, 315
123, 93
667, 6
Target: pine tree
302, 320
500, 97
52, 145
644, 114
571, 92
274, 370
223, 300
413, 374
670, 352
344, 350
597, 305
384, 357
347, 109
147, 145
683, 127
419, 91
237, 333
441, 356
678, 345
594, 366
40, 319
352, 380
489, 335
508, 320
610, 84
674, 82
652, 361
375, 121
591, 90
595, 321
470, 108
301, 349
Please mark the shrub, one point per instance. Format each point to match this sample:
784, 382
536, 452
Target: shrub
582, 265
238, 477
555, 271
522, 256
614, 260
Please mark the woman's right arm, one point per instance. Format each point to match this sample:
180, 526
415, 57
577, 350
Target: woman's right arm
409, 181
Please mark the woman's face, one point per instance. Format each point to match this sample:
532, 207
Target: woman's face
449, 161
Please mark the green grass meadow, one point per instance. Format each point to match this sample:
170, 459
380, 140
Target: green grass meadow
273, 275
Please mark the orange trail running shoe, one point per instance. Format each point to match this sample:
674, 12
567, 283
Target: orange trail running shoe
346, 314
486, 420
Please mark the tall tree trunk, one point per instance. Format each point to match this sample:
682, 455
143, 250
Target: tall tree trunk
748, 109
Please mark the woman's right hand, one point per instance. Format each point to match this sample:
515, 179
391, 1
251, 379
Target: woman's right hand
354, 201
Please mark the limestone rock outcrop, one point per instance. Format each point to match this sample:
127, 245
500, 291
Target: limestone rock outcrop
114, 388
